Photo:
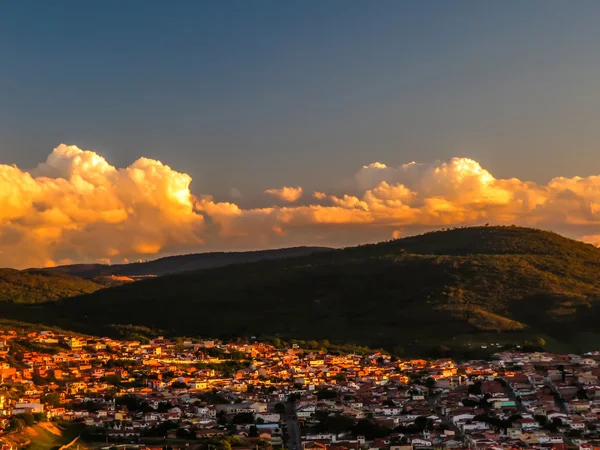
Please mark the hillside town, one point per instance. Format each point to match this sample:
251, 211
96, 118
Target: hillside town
213, 395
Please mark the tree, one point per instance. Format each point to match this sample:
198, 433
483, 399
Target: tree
276, 342
540, 342
279, 408
28, 419
423, 423
430, 383
475, 388
557, 421
370, 430
542, 420
325, 394
222, 419
182, 433
39, 417
340, 378
313, 345
52, 399
240, 418
338, 423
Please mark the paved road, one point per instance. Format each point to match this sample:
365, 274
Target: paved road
292, 427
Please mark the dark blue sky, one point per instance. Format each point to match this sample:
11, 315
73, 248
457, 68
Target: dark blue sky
258, 94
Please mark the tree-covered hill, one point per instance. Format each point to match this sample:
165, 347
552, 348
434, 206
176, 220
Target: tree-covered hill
434, 287
180, 263
38, 286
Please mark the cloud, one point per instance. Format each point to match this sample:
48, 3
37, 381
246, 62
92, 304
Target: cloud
418, 196
76, 206
287, 194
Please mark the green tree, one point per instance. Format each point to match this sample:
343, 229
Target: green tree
28, 419
52, 399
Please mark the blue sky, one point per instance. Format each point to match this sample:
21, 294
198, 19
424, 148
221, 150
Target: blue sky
259, 94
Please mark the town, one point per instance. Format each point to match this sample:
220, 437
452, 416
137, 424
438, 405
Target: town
184, 393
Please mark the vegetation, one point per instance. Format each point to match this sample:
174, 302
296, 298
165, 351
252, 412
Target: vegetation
41, 436
175, 264
445, 287
39, 286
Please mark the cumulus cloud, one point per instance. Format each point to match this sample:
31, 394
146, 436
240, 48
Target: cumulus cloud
75, 206
287, 194
418, 196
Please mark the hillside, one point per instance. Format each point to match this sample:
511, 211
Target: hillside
183, 263
44, 436
431, 288
40, 286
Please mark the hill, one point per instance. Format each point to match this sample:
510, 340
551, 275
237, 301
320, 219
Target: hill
431, 289
44, 436
40, 286
182, 263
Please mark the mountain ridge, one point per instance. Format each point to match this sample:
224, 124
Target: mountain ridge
179, 263
435, 287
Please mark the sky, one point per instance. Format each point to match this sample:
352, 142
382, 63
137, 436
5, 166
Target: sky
211, 125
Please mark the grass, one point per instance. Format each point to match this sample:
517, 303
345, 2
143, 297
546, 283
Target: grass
43, 436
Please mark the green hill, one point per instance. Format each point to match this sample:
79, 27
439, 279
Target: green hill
39, 286
434, 289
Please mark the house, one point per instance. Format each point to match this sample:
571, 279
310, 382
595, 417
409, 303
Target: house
22, 408
205, 434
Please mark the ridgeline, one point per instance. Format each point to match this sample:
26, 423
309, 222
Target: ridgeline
438, 288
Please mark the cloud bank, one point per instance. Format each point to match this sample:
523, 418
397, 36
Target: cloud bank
77, 207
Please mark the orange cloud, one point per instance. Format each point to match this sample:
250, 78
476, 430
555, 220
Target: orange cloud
287, 194
77, 207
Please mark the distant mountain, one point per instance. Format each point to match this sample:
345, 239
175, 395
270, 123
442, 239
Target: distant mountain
176, 264
41, 286
432, 289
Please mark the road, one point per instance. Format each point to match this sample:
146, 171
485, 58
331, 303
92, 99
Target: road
293, 429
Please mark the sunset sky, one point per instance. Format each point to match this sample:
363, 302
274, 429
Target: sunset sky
134, 129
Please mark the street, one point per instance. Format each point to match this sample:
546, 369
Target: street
292, 426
